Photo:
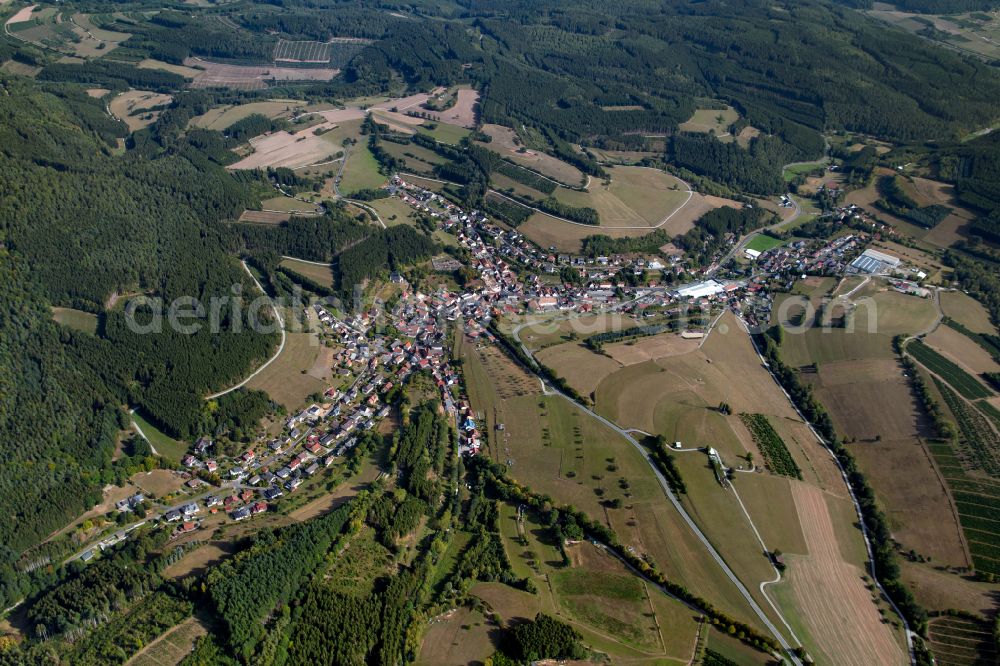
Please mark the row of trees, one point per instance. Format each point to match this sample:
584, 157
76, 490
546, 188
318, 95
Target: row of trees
884, 559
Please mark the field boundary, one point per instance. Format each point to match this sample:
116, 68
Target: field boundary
909, 633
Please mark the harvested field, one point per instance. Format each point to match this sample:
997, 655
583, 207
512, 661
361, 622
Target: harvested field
287, 380
459, 637
843, 621
22, 15
914, 498
172, 647
870, 398
300, 148
251, 77
547, 231
506, 142
636, 197
133, 108
967, 311
651, 348
578, 365
97, 93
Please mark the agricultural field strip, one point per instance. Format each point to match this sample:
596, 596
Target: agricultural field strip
777, 574
854, 500
958, 378
772, 448
665, 486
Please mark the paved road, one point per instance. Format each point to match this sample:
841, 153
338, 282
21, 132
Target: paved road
680, 509
857, 507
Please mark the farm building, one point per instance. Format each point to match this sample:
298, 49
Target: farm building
873, 262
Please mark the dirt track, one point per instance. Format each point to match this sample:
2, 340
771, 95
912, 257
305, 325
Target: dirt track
831, 597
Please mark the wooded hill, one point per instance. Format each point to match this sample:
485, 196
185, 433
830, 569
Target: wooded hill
80, 225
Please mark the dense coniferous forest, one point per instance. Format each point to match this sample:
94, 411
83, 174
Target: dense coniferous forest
94, 229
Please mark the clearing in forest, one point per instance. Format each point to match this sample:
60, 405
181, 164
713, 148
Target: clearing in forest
78, 319
252, 77
172, 646
634, 197
707, 121
287, 380
138, 108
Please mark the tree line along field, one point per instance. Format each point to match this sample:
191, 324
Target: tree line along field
677, 398
617, 612
555, 449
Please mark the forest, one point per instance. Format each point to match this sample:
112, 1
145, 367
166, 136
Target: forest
125, 226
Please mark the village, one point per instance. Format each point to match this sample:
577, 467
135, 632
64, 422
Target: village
513, 278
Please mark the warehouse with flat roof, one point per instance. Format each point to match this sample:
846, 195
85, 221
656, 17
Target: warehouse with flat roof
874, 262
